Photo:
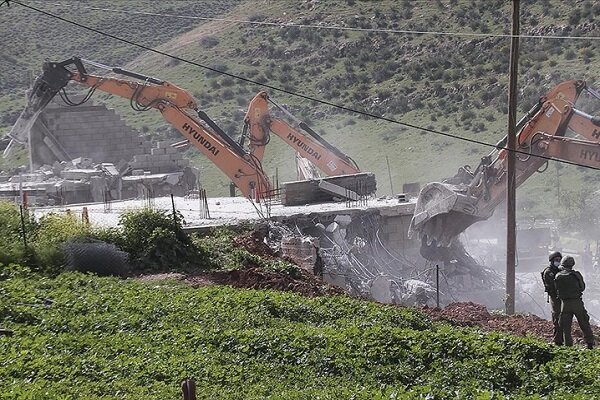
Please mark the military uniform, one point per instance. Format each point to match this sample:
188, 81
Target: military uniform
548, 277
570, 287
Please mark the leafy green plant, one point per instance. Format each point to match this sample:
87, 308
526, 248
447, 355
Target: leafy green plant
107, 338
155, 240
12, 247
52, 232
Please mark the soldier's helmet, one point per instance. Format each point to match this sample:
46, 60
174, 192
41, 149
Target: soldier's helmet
568, 262
553, 255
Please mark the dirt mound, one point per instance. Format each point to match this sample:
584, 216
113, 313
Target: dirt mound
256, 278
254, 243
471, 314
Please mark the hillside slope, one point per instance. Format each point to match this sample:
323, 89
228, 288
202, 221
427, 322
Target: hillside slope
455, 83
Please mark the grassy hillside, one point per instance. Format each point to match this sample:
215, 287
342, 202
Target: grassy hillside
105, 338
453, 83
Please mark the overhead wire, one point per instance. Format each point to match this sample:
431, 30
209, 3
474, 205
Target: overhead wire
296, 94
323, 26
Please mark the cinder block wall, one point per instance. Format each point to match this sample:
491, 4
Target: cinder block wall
96, 132
91, 131
394, 234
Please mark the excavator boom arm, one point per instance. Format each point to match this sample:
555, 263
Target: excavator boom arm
309, 145
312, 150
244, 173
445, 209
175, 105
582, 152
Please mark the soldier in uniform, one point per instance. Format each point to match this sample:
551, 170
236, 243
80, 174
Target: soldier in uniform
548, 275
570, 286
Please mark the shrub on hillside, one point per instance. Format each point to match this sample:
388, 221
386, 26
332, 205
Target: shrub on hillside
156, 240
209, 41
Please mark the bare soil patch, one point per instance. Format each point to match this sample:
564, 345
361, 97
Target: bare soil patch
471, 314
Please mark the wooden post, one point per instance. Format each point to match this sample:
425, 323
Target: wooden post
85, 216
189, 389
23, 227
437, 285
174, 212
511, 187
390, 175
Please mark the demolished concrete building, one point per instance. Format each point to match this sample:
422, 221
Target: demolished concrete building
90, 154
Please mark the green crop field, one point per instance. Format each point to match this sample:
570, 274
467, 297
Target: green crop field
107, 338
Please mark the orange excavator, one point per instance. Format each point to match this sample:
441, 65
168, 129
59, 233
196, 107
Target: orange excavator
445, 209
311, 148
175, 104
242, 166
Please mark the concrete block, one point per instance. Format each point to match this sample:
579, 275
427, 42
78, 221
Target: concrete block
140, 157
163, 144
80, 174
82, 162
157, 151
68, 185
302, 250
164, 158
398, 210
110, 169
343, 219
141, 164
33, 177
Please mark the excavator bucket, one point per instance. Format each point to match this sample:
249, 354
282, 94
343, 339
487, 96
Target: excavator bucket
53, 78
442, 212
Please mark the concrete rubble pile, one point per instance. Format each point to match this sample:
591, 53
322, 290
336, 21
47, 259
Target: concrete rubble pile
84, 181
347, 252
90, 154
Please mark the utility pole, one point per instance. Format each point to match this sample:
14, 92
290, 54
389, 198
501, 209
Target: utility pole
511, 186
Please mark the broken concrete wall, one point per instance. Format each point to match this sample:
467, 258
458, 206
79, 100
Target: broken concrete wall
95, 132
63, 133
83, 152
393, 230
368, 253
304, 251
163, 158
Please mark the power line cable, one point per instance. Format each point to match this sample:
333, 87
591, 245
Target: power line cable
300, 95
329, 27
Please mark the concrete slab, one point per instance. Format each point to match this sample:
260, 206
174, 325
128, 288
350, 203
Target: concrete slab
223, 210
